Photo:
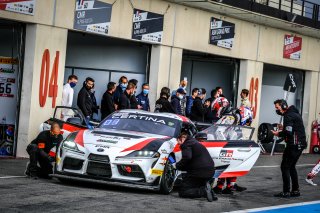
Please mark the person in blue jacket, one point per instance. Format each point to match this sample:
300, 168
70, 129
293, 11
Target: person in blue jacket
143, 99
190, 100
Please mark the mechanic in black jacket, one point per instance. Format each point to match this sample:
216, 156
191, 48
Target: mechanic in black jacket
198, 164
198, 109
126, 96
107, 104
295, 137
163, 104
39, 152
84, 101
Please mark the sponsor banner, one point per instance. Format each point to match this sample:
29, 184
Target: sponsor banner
290, 83
292, 47
18, 6
8, 89
147, 26
221, 33
92, 16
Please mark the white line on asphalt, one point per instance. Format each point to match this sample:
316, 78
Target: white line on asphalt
275, 166
275, 207
8, 177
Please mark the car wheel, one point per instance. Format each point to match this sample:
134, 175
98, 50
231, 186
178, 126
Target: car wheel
316, 149
167, 179
264, 133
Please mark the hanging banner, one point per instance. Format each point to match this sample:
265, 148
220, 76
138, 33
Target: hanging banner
290, 83
92, 16
147, 26
292, 47
8, 89
221, 33
18, 6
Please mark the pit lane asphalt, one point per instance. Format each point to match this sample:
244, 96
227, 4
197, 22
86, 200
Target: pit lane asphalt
20, 194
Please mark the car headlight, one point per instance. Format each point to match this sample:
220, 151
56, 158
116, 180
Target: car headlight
70, 145
143, 154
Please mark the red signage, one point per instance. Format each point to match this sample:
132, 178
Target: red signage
253, 96
292, 47
45, 84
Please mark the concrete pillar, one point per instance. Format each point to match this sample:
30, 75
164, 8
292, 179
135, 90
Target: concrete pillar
251, 73
38, 39
165, 70
310, 111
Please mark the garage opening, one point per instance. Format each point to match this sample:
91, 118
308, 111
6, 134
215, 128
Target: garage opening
105, 59
11, 61
272, 88
210, 71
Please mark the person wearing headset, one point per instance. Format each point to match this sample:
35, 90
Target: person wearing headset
85, 102
293, 132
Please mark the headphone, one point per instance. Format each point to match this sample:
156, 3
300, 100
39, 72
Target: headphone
284, 104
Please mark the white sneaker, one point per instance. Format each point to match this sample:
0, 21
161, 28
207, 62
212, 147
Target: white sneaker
310, 181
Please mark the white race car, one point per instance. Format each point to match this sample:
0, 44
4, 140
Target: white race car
138, 149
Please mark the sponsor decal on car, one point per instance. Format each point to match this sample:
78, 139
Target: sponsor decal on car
226, 153
58, 160
157, 172
107, 141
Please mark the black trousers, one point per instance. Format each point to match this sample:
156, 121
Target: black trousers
192, 187
290, 158
38, 156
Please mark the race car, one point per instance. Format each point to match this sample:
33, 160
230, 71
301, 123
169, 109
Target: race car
138, 149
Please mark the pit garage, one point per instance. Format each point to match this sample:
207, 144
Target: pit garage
105, 59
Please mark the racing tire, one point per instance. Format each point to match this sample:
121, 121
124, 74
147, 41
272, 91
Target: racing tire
264, 133
316, 149
167, 179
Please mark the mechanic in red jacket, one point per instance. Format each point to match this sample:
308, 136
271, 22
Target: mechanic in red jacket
198, 164
39, 152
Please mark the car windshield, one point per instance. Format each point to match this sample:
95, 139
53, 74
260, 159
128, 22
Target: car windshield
229, 132
142, 123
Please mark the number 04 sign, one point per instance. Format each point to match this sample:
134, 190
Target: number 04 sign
48, 88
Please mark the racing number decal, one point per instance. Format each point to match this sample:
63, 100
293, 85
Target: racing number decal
253, 96
44, 79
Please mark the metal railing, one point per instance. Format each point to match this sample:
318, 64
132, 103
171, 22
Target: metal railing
302, 8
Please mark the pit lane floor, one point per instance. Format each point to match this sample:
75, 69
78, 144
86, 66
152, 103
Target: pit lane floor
20, 194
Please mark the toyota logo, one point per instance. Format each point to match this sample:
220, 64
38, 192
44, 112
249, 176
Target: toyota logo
100, 150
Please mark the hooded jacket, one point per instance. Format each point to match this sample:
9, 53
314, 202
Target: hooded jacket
293, 128
175, 102
198, 111
196, 160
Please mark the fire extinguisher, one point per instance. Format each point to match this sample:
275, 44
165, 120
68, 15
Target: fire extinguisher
314, 144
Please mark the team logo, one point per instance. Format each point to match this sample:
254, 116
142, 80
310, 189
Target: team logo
226, 153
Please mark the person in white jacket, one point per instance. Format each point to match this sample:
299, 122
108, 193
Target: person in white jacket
67, 96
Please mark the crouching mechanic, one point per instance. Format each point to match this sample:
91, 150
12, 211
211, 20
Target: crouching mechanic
198, 164
40, 152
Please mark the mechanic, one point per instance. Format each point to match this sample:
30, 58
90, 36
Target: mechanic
245, 98
126, 97
315, 170
84, 101
198, 164
67, 95
295, 137
190, 100
175, 101
143, 99
107, 104
163, 104
198, 109
39, 152
123, 83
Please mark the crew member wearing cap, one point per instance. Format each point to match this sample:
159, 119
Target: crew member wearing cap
175, 101
39, 152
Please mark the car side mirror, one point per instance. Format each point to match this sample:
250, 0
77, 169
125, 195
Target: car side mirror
201, 136
74, 120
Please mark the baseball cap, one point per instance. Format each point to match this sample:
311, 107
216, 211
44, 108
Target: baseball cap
181, 91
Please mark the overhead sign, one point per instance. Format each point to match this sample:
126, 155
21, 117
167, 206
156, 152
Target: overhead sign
221, 33
292, 47
8, 89
18, 6
92, 16
147, 26
290, 84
